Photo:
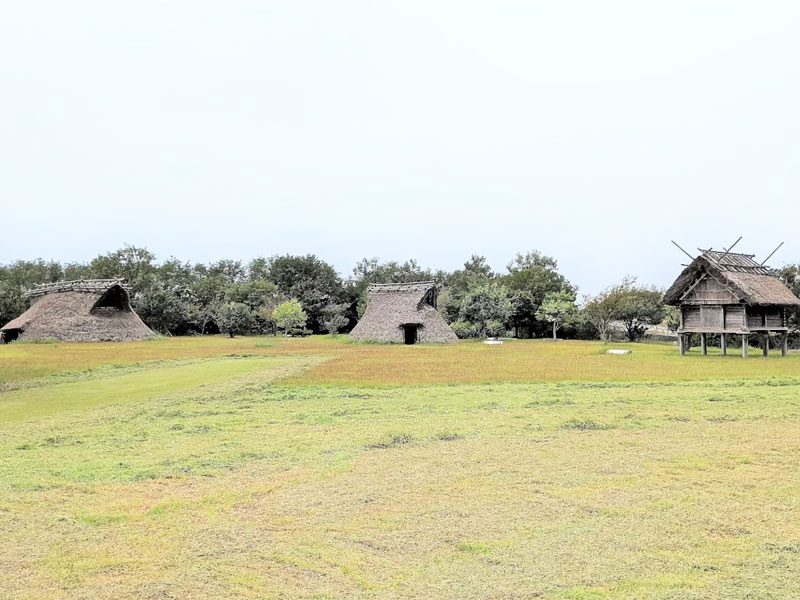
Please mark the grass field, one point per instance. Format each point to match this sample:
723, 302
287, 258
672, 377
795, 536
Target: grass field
315, 468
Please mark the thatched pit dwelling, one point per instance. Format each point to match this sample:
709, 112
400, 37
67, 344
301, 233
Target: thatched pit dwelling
730, 294
93, 310
403, 313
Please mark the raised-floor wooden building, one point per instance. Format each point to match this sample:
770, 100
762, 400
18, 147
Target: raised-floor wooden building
728, 293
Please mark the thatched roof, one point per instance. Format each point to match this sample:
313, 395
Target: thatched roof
92, 310
746, 279
390, 306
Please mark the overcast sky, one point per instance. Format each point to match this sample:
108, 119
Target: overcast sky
592, 131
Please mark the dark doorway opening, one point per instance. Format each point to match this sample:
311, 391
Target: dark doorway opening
410, 332
9, 335
115, 298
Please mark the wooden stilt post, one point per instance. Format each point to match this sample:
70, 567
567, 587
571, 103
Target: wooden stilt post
723, 344
682, 343
785, 344
745, 345
704, 343
766, 344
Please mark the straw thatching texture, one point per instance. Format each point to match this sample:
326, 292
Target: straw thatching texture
94, 311
390, 306
746, 279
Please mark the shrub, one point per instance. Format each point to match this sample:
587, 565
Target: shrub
464, 330
298, 332
495, 329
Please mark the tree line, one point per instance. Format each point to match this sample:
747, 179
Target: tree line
304, 294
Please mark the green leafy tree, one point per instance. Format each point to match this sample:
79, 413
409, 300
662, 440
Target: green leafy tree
523, 313
289, 315
475, 273
334, 318
557, 308
74, 271
537, 275
312, 281
790, 275
136, 266
258, 269
637, 307
235, 318
205, 296
485, 303
673, 317
12, 301
233, 270
25, 274
162, 309
599, 311
260, 296
175, 274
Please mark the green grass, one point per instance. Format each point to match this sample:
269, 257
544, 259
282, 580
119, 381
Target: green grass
194, 475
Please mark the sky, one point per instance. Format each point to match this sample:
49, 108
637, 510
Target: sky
595, 132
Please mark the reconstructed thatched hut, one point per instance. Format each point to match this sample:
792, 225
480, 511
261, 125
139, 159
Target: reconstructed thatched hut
728, 293
94, 310
404, 313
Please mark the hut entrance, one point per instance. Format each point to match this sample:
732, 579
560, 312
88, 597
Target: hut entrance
410, 333
9, 335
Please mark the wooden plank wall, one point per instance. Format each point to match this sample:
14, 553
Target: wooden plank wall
711, 317
710, 291
734, 317
691, 317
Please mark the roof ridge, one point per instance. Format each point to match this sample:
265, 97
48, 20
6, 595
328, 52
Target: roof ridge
401, 286
75, 285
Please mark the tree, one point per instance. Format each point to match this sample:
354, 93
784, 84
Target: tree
790, 276
457, 285
312, 281
25, 274
488, 302
235, 317
672, 318
265, 319
289, 315
12, 301
523, 313
258, 269
206, 295
175, 274
537, 275
134, 265
162, 309
599, 311
636, 307
233, 270
556, 309
334, 319
261, 297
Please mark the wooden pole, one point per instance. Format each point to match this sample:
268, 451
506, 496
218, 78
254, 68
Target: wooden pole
682, 343
723, 344
785, 344
745, 345
766, 344
704, 344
